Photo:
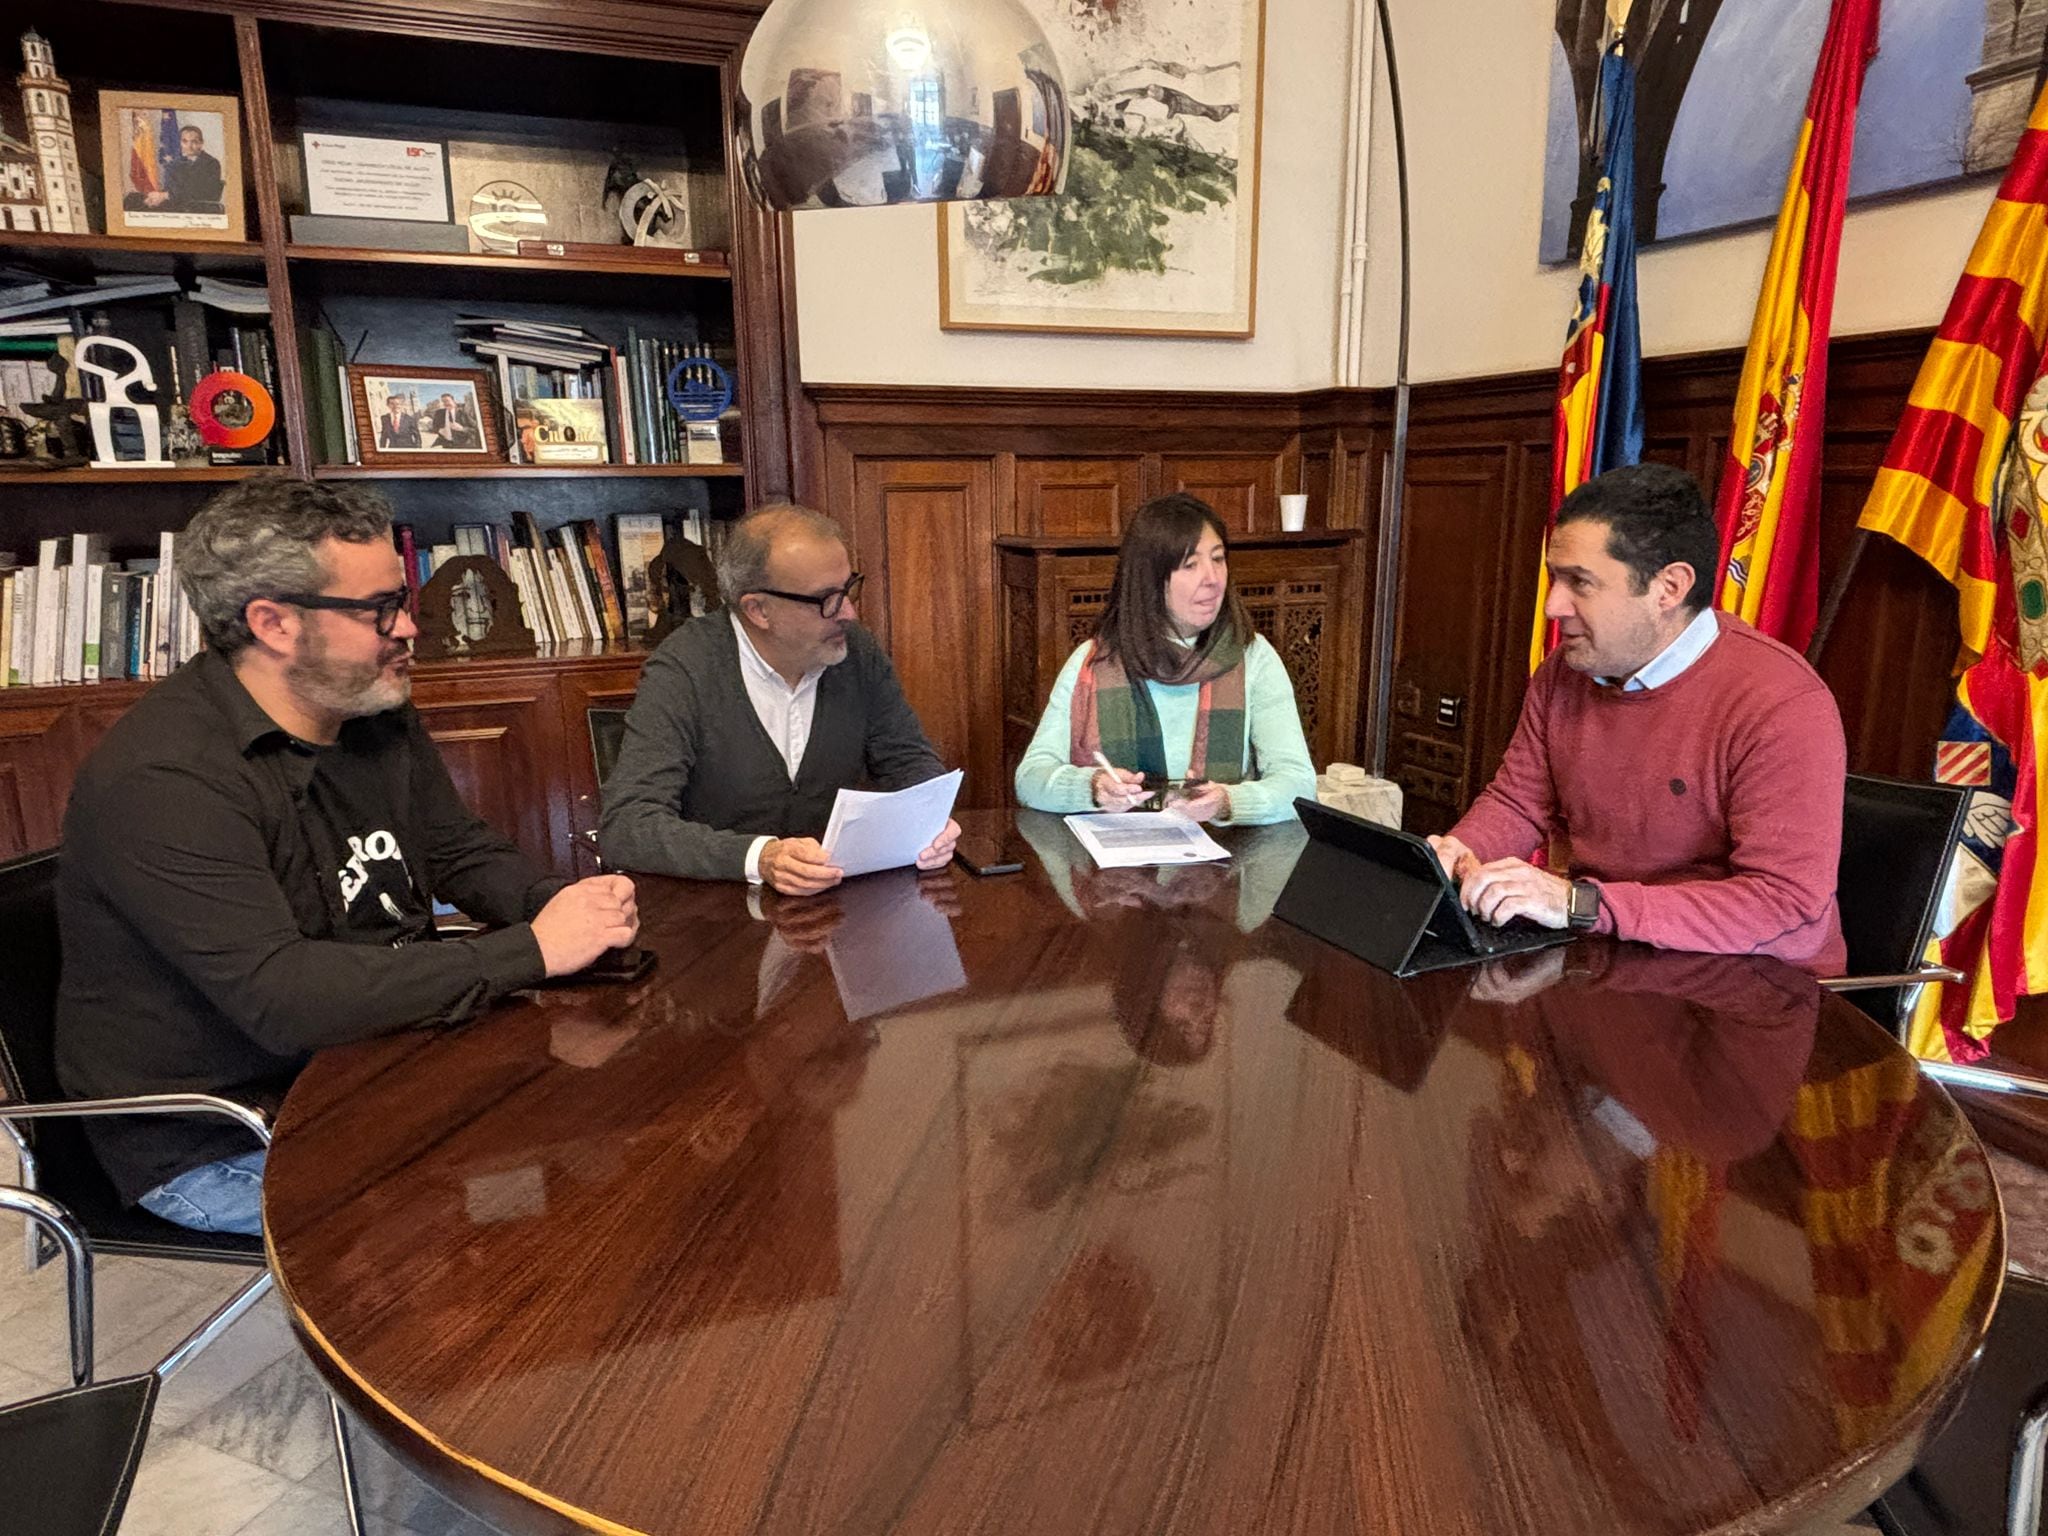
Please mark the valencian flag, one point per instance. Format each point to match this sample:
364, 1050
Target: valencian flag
1599, 419
1768, 506
1963, 486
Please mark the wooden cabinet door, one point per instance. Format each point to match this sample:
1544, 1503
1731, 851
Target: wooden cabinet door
501, 736
38, 747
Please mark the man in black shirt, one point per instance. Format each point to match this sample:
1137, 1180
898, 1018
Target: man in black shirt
252, 854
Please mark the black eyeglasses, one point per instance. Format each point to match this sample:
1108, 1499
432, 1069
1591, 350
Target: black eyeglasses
385, 606
829, 604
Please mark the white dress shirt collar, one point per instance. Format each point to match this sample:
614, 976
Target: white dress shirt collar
1690, 645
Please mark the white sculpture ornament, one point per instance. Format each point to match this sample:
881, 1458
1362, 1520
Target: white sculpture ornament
117, 385
651, 214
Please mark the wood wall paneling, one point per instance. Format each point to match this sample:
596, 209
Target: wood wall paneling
925, 530
1075, 497
1243, 488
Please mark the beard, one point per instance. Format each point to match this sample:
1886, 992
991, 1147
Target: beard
349, 689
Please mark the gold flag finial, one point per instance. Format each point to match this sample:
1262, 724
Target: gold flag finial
1617, 13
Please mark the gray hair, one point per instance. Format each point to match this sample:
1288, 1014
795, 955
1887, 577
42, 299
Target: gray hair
260, 538
743, 562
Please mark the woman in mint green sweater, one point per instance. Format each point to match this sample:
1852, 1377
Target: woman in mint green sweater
1175, 685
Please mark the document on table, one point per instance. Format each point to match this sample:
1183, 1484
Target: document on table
871, 831
1129, 839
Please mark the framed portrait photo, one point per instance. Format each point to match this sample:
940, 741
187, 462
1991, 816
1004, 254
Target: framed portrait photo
173, 165
424, 415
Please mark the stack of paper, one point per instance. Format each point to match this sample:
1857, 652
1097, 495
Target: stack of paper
1129, 839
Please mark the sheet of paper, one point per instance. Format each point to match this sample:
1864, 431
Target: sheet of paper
1128, 839
871, 831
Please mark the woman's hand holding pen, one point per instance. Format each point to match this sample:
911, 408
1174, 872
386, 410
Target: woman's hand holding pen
1118, 789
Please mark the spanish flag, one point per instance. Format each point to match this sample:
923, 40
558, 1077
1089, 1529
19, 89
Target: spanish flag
1963, 486
1598, 424
1768, 506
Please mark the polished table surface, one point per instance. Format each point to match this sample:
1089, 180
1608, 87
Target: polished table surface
1079, 1201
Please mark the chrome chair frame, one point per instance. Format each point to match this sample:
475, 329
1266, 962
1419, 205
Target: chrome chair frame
46, 1215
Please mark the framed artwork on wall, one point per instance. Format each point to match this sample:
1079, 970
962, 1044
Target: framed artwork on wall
1722, 87
173, 165
1156, 233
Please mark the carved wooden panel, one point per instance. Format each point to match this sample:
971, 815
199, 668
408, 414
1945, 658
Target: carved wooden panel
1295, 596
1076, 497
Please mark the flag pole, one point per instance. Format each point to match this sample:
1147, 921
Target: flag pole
1838, 591
1387, 583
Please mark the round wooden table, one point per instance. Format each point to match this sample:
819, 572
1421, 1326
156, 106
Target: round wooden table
1076, 1201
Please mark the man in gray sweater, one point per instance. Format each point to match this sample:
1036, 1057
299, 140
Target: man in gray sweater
750, 720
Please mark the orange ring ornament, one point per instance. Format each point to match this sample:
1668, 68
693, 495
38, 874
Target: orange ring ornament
217, 432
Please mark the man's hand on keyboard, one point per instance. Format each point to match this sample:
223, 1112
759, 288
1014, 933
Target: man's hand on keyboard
1458, 860
1509, 888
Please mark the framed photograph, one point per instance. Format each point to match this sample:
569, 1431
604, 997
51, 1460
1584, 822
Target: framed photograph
173, 165
349, 176
1157, 232
424, 415
554, 431
1946, 99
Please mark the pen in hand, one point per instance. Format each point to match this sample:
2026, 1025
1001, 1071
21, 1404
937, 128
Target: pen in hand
1129, 792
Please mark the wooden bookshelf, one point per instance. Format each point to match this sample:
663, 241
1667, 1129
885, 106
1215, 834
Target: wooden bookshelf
175, 475
527, 472
606, 74
627, 265
28, 244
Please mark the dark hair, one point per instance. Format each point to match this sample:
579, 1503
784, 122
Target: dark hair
1655, 516
261, 537
1134, 628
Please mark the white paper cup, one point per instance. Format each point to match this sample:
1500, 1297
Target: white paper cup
1294, 512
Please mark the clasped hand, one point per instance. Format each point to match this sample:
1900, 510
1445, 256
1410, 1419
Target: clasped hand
1504, 889
582, 921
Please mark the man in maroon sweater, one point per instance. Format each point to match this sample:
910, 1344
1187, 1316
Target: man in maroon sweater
1683, 770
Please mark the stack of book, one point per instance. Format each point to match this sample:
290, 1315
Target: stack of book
559, 385
76, 616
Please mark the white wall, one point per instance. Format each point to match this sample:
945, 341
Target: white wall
1476, 78
868, 279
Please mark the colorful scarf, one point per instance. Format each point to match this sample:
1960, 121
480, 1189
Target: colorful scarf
1115, 717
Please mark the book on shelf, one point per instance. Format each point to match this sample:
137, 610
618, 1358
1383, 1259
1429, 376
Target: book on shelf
78, 616
640, 538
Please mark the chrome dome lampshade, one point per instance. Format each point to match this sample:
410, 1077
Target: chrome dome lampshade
867, 103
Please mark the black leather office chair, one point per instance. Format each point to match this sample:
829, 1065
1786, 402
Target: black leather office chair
68, 1459
607, 734
58, 1164
1898, 838
1982, 1473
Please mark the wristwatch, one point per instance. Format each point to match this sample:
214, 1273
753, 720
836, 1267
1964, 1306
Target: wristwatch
1582, 906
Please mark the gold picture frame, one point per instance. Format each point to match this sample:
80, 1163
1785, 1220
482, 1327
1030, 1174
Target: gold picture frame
172, 163
1194, 271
